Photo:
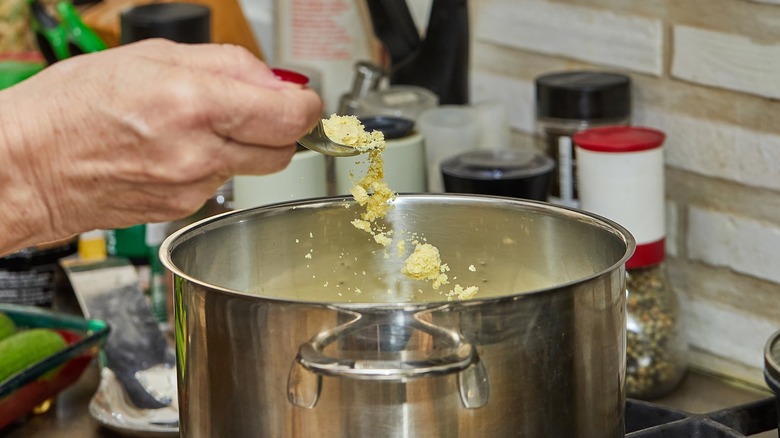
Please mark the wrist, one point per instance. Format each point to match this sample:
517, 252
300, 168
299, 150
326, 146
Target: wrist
24, 217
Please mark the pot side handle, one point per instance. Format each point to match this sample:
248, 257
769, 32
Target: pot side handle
459, 356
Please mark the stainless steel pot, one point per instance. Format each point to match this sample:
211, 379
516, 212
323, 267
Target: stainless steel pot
290, 322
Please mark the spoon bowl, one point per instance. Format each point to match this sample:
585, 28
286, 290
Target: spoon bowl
317, 140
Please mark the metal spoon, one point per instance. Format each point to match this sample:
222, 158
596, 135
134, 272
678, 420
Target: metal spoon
316, 140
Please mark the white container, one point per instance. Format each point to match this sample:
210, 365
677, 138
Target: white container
404, 166
303, 178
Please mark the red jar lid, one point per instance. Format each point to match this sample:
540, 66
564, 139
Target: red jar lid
619, 139
648, 254
290, 76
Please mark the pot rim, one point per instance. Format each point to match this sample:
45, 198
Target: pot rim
185, 233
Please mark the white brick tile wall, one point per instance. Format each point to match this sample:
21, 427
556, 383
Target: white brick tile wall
716, 149
727, 61
720, 246
774, 2
516, 95
592, 35
672, 230
726, 332
742, 244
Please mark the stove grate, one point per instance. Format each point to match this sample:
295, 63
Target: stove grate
648, 420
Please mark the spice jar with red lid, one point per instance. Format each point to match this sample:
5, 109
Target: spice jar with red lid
621, 177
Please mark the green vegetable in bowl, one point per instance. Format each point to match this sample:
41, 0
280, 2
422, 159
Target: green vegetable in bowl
26, 347
7, 326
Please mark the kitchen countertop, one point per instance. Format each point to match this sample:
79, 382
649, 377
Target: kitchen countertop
68, 417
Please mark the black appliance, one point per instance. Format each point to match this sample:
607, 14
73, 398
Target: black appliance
440, 60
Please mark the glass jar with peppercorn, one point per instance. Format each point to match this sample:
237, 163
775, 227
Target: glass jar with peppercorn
656, 351
621, 177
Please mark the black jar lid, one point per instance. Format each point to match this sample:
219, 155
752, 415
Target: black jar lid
583, 95
180, 22
391, 127
504, 164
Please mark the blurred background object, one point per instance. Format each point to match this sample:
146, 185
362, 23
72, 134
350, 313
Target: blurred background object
448, 130
516, 173
228, 22
571, 101
329, 36
303, 178
60, 32
404, 157
15, 35
16, 67
439, 60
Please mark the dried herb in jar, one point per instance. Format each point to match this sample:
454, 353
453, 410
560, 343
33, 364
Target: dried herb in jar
655, 346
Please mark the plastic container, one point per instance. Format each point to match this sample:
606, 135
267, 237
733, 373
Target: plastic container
404, 157
405, 101
36, 384
572, 101
448, 130
304, 177
516, 173
621, 177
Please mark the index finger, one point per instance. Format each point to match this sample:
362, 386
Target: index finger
258, 115
221, 59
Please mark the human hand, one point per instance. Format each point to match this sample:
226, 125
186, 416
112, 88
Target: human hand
140, 133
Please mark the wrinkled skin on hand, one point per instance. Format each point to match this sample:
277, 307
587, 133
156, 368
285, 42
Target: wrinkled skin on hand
141, 133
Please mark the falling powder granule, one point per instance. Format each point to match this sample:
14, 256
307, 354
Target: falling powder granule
373, 193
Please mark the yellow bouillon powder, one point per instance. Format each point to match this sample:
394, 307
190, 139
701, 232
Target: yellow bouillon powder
348, 130
425, 264
373, 193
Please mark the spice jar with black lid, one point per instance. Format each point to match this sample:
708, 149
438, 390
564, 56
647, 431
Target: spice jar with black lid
571, 101
621, 177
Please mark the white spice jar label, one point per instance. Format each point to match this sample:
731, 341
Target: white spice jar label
620, 175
